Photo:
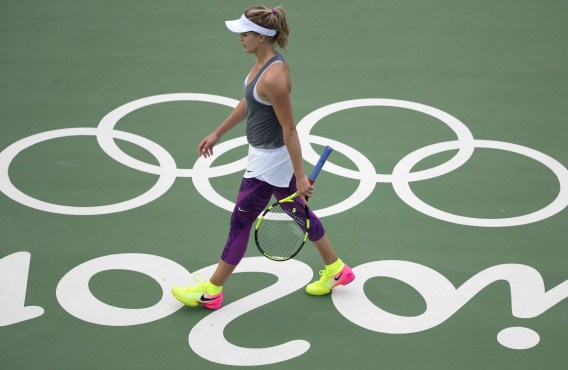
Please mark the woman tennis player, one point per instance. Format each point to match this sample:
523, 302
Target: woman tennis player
275, 164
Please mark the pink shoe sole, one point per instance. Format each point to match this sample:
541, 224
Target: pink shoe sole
345, 276
213, 302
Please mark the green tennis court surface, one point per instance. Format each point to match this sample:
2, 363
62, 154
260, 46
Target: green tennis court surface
446, 192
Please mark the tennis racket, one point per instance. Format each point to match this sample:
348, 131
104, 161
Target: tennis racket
282, 229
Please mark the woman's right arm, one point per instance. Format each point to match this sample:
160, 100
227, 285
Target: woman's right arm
205, 147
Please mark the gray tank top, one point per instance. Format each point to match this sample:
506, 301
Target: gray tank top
262, 127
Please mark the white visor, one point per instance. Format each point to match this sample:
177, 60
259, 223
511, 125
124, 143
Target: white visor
243, 24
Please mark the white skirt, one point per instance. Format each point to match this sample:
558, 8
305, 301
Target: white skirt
273, 166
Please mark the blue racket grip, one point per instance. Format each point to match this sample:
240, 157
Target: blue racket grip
315, 172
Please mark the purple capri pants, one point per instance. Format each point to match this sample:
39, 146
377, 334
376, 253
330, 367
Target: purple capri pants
253, 198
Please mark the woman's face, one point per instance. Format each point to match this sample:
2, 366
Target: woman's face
250, 41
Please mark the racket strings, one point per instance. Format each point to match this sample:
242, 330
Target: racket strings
283, 231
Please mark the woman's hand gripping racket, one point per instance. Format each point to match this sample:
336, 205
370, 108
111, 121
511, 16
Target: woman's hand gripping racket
282, 230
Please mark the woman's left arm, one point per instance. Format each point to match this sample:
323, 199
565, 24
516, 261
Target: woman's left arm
276, 87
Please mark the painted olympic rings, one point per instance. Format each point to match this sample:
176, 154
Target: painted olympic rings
106, 126
402, 188
162, 185
463, 134
202, 170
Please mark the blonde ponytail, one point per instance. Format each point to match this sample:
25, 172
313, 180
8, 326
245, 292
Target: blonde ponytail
271, 18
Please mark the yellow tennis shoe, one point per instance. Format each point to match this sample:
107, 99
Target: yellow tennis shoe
328, 281
204, 293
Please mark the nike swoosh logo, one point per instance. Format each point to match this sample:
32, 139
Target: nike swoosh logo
339, 277
242, 210
203, 299
249, 171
